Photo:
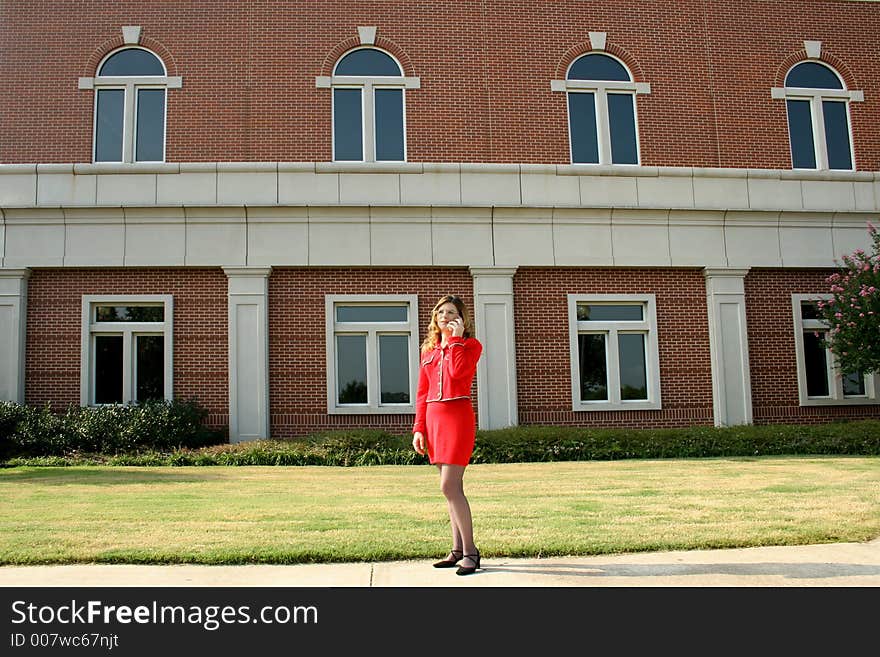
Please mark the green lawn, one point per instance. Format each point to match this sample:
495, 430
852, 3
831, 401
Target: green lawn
304, 514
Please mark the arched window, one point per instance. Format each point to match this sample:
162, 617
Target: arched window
369, 123
601, 110
818, 117
130, 100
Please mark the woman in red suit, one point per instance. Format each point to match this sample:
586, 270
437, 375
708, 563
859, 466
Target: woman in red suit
445, 427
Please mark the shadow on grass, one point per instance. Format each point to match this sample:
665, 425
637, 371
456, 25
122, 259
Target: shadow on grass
64, 476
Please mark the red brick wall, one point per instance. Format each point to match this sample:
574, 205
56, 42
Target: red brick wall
772, 349
542, 344
249, 75
54, 311
297, 338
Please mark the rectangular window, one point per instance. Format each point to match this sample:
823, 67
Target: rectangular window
819, 380
109, 125
837, 134
348, 128
622, 125
372, 346
800, 134
582, 128
593, 367
126, 349
351, 369
389, 125
615, 356
150, 126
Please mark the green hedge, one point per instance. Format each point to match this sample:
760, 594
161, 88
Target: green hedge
33, 431
514, 445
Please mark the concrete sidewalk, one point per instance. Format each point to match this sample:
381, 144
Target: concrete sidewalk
834, 564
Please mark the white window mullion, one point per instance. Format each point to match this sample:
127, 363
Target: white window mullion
127, 358
372, 368
818, 116
612, 360
369, 114
603, 126
128, 121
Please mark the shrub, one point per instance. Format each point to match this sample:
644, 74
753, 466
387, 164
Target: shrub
110, 429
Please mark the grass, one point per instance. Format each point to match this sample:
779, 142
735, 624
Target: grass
324, 514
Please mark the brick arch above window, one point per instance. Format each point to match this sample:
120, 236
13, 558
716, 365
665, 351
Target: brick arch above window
835, 62
381, 43
117, 42
586, 47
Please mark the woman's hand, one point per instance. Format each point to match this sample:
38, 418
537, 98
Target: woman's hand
457, 327
419, 442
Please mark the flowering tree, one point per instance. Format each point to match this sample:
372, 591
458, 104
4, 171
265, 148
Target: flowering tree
853, 312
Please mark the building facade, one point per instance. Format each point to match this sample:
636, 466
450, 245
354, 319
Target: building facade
257, 204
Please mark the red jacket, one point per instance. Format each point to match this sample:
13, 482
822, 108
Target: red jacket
446, 374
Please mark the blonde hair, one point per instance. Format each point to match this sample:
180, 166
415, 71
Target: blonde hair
433, 336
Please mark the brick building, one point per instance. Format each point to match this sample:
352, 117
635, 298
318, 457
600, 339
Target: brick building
256, 204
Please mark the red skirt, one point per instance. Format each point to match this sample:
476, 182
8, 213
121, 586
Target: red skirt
451, 431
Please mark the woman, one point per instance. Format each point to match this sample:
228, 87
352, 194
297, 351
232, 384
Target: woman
445, 427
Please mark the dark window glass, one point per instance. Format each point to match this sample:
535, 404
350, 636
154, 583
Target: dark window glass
389, 124
809, 310
622, 123
837, 134
592, 367
129, 313
351, 369
598, 67
150, 367
588, 312
150, 139
633, 372
367, 61
394, 369
816, 364
109, 125
800, 134
582, 128
348, 128
372, 313
854, 384
813, 76
108, 369
132, 61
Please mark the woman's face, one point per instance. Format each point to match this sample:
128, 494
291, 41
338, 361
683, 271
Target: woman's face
445, 314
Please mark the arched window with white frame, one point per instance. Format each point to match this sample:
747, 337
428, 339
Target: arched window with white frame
602, 124
369, 107
817, 107
130, 106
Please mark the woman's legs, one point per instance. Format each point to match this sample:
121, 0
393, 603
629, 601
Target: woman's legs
452, 486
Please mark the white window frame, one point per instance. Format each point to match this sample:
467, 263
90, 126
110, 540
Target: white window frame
835, 380
817, 115
128, 331
601, 89
372, 331
367, 85
131, 85
611, 329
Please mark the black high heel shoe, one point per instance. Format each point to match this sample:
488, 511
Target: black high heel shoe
469, 570
450, 563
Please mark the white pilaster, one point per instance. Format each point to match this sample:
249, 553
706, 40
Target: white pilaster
729, 346
248, 291
13, 321
496, 370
